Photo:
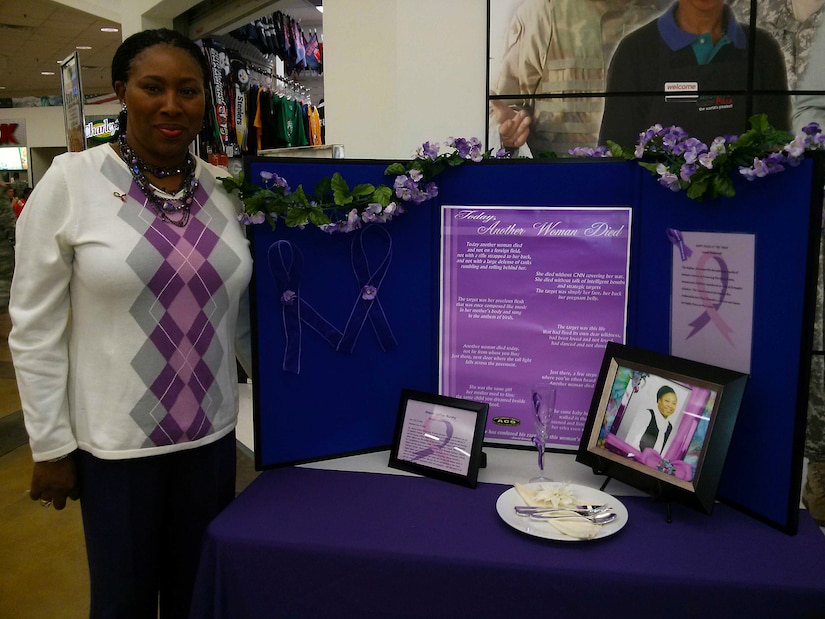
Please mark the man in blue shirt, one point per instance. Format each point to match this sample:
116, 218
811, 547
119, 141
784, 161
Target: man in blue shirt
689, 68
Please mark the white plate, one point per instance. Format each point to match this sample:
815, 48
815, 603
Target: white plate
505, 506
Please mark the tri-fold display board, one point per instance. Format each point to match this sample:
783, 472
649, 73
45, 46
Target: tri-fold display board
343, 322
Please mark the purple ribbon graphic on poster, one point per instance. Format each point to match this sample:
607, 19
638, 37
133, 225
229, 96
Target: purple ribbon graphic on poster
675, 237
711, 313
439, 433
531, 295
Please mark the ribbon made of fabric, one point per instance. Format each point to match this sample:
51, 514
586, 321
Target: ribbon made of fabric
367, 304
286, 263
650, 457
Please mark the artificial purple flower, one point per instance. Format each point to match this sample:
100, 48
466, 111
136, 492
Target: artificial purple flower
288, 297
247, 219
403, 187
692, 148
667, 178
467, 149
585, 151
371, 213
758, 170
686, 171
278, 181
718, 146
796, 148
368, 293
428, 150
706, 159
811, 129
671, 137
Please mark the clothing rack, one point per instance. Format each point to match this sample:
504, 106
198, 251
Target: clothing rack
293, 89
262, 71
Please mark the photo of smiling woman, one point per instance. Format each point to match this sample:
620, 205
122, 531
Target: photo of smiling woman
651, 428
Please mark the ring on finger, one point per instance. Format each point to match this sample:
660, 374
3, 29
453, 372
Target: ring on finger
45, 503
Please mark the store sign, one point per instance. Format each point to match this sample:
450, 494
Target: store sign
101, 130
13, 132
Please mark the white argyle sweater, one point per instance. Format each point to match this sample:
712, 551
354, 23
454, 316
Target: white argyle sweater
123, 326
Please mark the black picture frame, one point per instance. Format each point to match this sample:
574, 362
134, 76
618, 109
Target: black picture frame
683, 463
439, 436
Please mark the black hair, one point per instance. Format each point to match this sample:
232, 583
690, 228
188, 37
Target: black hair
133, 45
663, 391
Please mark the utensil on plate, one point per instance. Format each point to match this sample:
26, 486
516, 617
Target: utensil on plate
602, 518
526, 510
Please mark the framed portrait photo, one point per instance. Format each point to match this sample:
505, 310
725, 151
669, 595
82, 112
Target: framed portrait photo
439, 436
662, 424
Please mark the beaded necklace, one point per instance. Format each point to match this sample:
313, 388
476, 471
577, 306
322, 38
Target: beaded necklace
163, 205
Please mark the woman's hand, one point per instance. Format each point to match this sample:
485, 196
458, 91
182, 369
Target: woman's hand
54, 482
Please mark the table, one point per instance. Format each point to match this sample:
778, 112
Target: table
302, 542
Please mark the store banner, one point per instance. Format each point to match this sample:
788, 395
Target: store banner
73, 103
531, 295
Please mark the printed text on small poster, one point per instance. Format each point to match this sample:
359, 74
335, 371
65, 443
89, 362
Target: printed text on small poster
531, 295
712, 298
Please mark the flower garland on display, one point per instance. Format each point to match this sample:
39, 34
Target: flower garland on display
680, 162
334, 207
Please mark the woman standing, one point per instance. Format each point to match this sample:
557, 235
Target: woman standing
127, 304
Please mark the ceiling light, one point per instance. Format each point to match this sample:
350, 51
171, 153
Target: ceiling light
83, 47
109, 30
47, 73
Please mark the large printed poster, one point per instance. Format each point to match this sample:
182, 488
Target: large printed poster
531, 295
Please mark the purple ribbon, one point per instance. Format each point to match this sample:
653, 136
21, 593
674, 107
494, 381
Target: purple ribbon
367, 304
286, 263
711, 313
675, 237
428, 451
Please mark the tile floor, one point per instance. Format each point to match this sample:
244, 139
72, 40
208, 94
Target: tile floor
42, 553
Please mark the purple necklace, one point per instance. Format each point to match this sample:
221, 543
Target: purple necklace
164, 206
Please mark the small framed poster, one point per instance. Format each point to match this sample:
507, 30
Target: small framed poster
439, 436
73, 115
662, 424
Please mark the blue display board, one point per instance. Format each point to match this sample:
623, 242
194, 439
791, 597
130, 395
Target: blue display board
343, 403
340, 402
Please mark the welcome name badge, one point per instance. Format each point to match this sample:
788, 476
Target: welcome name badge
681, 91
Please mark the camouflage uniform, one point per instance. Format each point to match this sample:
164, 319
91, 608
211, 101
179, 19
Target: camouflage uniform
794, 36
564, 46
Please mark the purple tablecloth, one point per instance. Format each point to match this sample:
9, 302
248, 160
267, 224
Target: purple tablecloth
314, 543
